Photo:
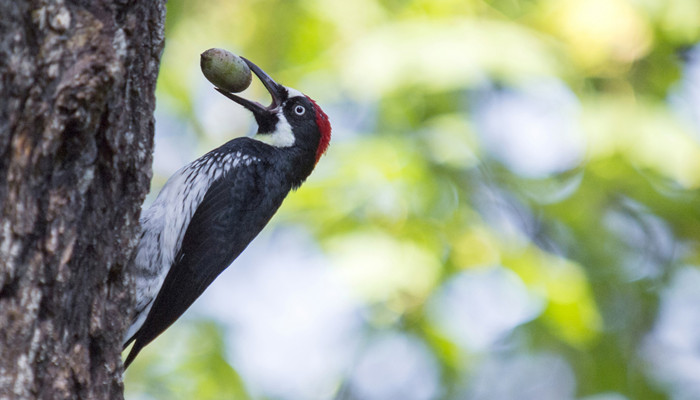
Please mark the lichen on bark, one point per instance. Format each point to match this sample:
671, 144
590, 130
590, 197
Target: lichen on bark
76, 136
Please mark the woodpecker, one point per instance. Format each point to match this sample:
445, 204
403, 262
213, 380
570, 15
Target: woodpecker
212, 208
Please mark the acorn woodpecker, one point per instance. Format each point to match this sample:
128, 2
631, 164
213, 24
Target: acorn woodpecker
211, 209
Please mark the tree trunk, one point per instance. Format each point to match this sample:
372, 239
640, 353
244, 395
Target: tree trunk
77, 79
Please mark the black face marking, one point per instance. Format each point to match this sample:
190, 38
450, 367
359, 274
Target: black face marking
298, 111
267, 122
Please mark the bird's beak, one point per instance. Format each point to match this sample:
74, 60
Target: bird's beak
278, 92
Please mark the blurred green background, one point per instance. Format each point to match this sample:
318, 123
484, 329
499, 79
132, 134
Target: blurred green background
509, 207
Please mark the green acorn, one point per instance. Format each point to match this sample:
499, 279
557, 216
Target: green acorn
225, 70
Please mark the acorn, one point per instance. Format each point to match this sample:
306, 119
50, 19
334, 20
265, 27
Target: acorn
225, 70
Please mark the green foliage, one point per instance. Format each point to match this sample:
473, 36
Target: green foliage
410, 195
187, 363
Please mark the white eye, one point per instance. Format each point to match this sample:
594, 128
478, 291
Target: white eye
299, 110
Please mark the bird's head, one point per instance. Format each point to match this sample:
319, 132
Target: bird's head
292, 119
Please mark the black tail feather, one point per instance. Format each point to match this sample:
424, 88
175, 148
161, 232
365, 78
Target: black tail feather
138, 346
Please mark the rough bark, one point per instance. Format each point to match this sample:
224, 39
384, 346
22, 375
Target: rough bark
77, 80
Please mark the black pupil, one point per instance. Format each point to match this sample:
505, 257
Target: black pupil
299, 109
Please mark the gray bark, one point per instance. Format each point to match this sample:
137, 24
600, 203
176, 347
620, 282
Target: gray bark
77, 80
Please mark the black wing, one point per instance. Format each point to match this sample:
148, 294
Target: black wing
233, 211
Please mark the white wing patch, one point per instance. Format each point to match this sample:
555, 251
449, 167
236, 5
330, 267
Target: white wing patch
164, 224
282, 136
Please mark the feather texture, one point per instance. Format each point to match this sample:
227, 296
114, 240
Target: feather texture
225, 200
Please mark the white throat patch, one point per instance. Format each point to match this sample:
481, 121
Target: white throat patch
281, 137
